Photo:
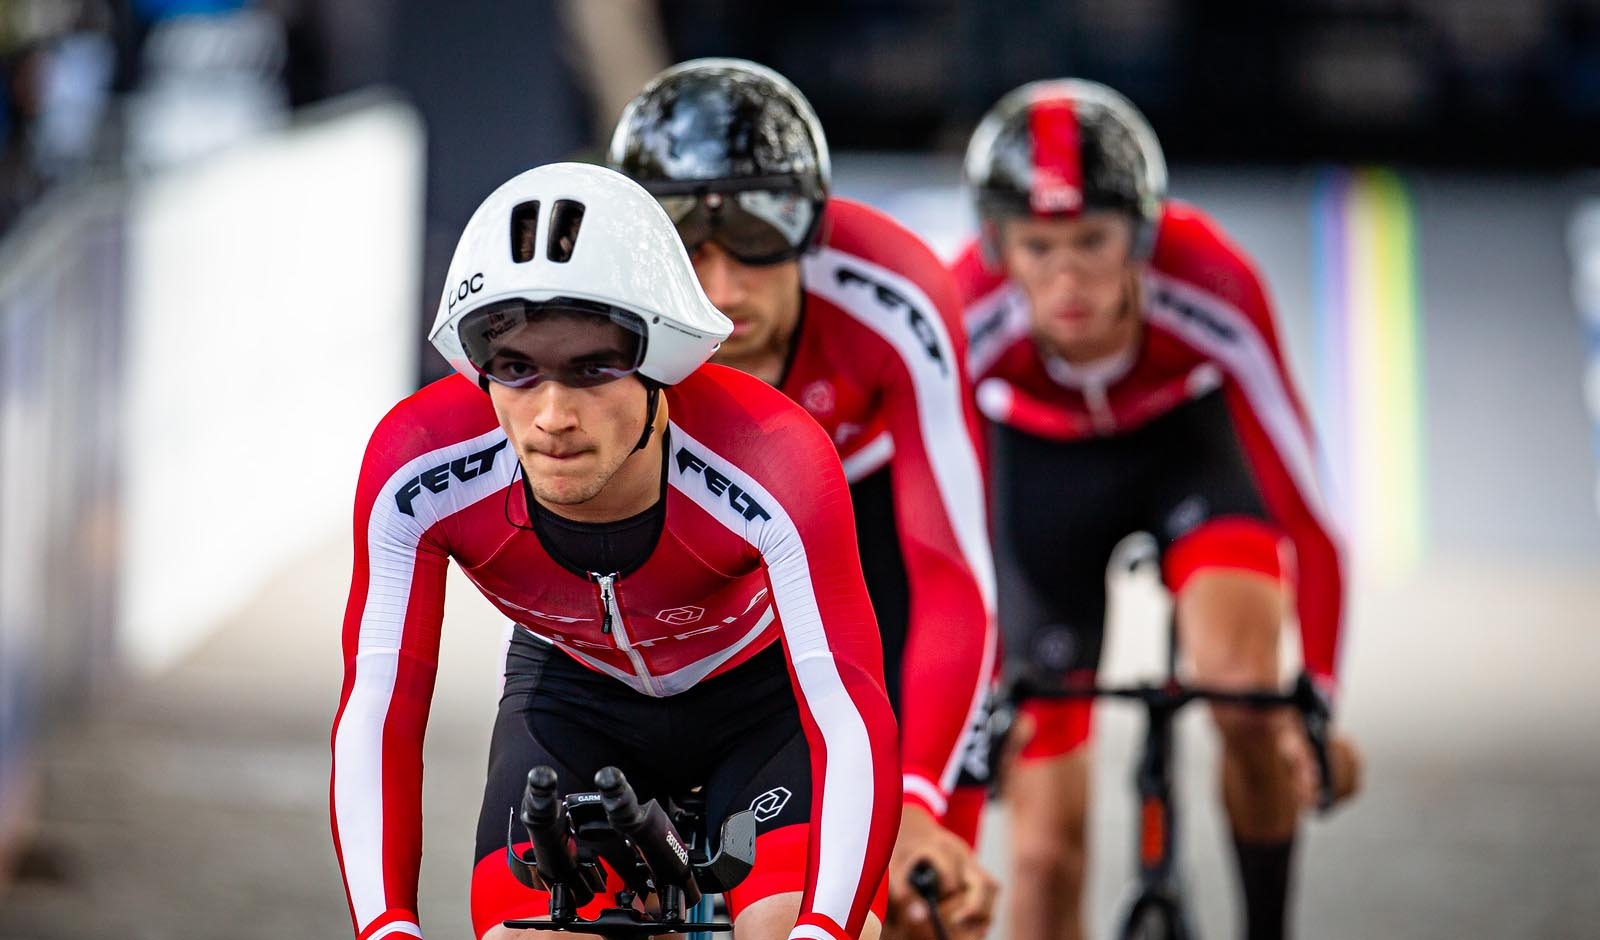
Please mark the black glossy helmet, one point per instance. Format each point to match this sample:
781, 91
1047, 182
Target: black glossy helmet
1064, 147
733, 152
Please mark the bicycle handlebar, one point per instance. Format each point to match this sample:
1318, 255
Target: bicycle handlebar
654, 837
1303, 696
570, 836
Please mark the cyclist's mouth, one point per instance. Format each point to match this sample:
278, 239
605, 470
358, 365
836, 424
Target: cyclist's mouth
560, 455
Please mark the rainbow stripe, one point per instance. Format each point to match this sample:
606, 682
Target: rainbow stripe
1369, 363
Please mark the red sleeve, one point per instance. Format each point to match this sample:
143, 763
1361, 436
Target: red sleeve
1272, 422
802, 523
391, 643
937, 479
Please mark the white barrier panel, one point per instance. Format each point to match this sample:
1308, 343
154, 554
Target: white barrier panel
272, 321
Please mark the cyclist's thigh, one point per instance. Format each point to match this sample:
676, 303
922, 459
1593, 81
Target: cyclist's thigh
883, 566
1203, 504
1060, 510
1049, 801
763, 764
1220, 547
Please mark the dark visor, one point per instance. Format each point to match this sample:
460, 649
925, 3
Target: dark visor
758, 220
521, 344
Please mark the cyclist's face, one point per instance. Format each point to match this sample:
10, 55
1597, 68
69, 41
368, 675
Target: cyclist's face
572, 442
1077, 275
763, 301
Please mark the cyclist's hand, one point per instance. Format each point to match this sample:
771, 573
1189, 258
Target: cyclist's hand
967, 903
1348, 767
1345, 765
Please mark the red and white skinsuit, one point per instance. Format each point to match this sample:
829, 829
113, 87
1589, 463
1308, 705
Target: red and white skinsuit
758, 533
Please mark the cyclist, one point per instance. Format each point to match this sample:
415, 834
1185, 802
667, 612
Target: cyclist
851, 315
674, 542
1126, 353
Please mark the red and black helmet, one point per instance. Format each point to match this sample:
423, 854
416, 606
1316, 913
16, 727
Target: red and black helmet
1059, 148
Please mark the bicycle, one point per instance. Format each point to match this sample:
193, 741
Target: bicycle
1157, 910
642, 843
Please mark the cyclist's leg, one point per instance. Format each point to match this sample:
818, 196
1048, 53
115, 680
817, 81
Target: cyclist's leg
1229, 620
1230, 615
1047, 784
1060, 510
1048, 797
1221, 561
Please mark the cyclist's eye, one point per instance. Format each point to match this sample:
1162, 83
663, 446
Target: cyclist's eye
512, 371
1037, 247
1092, 241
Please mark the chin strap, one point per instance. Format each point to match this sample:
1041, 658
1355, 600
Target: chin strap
652, 402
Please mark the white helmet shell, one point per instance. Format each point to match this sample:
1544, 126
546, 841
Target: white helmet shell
626, 254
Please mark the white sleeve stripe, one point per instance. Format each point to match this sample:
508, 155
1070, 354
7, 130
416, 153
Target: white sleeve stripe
915, 785
398, 927
941, 417
1247, 356
392, 539
952, 768
358, 782
809, 932
842, 838
869, 458
993, 323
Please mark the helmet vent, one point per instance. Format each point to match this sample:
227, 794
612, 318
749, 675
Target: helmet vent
524, 231
564, 224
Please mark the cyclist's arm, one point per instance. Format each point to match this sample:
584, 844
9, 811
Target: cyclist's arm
806, 537
391, 640
941, 519
1282, 451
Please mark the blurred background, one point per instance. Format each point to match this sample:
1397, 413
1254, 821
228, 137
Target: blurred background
223, 225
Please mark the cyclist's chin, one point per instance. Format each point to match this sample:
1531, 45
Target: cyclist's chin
577, 481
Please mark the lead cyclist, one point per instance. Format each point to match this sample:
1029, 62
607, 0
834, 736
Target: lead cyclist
674, 541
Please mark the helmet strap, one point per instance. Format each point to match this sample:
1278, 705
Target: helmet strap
652, 403
989, 243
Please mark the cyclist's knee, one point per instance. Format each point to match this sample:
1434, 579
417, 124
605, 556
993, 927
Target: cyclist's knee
1248, 730
772, 917
1058, 861
502, 932
769, 918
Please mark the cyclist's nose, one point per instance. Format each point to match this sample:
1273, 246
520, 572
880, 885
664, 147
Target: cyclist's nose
555, 408
719, 276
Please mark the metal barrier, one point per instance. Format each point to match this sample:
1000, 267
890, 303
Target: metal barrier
61, 329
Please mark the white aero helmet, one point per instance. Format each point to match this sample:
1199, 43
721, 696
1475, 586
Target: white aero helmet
574, 232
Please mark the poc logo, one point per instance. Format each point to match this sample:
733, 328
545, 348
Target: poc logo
464, 290
437, 480
720, 485
895, 301
769, 804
